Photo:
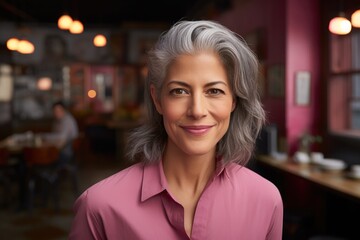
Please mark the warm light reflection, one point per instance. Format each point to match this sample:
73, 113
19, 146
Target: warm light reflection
99, 40
25, 47
76, 27
91, 93
340, 26
355, 19
12, 44
44, 83
65, 22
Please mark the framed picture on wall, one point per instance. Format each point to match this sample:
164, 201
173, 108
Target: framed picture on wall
302, 88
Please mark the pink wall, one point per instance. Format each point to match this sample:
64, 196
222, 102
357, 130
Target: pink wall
292, 39
249, 16
302, 53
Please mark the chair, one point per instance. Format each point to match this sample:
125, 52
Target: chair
43, 173
7, 174
70, 166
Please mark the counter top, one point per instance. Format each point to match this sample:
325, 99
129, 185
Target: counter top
338, 180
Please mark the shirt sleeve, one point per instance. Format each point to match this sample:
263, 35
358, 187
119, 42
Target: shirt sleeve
276, 227
87, 223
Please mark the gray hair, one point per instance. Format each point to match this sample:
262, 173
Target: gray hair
147, 142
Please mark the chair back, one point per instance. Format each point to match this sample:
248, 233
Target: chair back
41, 155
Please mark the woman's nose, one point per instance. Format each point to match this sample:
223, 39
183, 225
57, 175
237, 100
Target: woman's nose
197, 108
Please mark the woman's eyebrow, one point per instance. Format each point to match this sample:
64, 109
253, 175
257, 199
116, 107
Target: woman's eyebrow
188, 85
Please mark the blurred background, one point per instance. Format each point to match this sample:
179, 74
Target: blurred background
94, 60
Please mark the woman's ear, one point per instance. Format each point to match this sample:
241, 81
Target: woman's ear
155, 99
233, 104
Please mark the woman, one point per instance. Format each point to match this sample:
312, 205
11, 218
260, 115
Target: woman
204, 115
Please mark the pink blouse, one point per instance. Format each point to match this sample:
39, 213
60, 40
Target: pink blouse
135, 204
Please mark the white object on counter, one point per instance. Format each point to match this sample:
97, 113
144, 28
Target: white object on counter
279, 156
316, 156
331, 164
301, 157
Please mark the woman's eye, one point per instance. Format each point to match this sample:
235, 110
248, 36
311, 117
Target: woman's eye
178, 91
215, 91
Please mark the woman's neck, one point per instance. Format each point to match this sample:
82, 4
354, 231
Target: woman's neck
188, 173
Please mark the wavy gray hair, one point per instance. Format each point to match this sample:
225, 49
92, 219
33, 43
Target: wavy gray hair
148, 142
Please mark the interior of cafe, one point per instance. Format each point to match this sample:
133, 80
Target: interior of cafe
92, 58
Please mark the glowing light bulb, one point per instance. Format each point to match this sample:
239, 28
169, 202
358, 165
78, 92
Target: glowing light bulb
12, 44
340, 25
65, 22
355, 19
25, 47
99, 40
91, 93
44, 83
76, 27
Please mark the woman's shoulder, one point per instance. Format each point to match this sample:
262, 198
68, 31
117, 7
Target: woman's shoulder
117, 183
243, 176
118, 191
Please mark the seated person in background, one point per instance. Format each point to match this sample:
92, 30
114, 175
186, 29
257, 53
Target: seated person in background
64, 131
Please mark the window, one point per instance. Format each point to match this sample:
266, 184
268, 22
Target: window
344, 84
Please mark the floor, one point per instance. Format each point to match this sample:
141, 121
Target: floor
46, 223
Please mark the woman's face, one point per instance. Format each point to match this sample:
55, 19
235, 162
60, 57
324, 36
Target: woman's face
196, 103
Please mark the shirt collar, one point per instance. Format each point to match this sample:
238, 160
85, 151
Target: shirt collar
154, 180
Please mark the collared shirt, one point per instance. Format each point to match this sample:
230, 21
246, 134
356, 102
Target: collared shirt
135, 203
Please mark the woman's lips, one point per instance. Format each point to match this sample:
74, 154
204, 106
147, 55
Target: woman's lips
198, 130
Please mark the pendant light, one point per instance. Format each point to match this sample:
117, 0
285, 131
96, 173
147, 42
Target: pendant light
25, 47
65, 22
100, 40
76, 27
22, 46
340, 25
44, 83
12, 44
355, 19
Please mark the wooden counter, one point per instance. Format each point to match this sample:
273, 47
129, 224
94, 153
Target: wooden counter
337, 181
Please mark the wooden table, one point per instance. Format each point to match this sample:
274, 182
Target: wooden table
337, 181
18, 149
330, 199
24, 156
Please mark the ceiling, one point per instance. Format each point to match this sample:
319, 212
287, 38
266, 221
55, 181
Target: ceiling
104, 12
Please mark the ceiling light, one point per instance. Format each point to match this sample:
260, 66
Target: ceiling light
12, 44
25, 47
44, 83
100, 40
340, 25
355, 19
76, 27
65, 22
91, 93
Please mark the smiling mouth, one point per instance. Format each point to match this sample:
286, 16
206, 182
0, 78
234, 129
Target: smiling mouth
198, 130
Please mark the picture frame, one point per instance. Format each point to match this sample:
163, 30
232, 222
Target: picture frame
302, 88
